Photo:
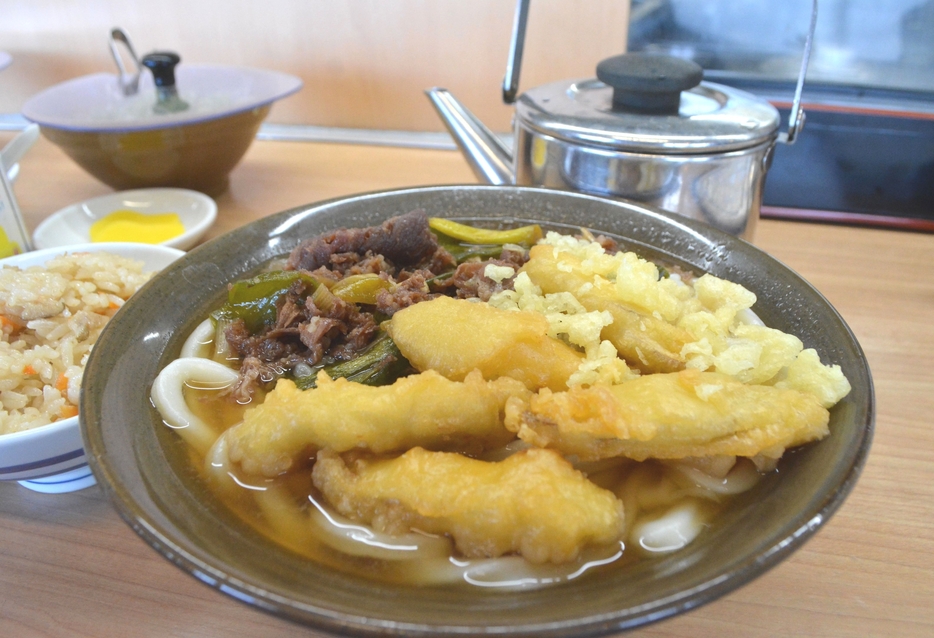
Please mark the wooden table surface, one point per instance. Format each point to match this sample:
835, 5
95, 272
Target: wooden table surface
69, 566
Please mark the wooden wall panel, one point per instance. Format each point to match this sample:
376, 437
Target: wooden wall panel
365, 63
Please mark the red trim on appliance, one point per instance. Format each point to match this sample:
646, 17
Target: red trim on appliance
856, 110
855, 219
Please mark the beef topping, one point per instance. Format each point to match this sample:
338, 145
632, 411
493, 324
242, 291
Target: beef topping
470, 280
253, 374
313, 327
405, 240
410, 291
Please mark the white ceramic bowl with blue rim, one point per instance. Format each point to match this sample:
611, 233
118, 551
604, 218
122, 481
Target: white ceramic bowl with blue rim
51, 458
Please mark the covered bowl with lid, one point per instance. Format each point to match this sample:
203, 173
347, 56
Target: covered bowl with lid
128, 139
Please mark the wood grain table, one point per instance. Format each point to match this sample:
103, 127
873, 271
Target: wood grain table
69, 566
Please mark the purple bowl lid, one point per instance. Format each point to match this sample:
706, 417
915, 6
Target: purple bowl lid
96, 103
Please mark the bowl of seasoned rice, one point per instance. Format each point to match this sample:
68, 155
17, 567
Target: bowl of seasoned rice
54, 304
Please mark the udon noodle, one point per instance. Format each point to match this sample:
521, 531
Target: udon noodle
669, 494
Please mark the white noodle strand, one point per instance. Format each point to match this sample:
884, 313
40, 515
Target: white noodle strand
748, 317
168, 397
358, 540
742, 477
508, 572
196, 345
676, 528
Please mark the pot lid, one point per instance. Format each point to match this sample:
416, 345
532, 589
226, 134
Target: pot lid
97, 102
650, 104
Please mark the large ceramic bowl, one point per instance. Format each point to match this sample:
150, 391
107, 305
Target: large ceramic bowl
130, 454
123, 143
51, 458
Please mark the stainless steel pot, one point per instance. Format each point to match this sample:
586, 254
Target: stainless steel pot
646, 129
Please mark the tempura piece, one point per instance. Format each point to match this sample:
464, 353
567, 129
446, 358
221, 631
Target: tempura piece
669, 416
533, 502
455, 336
807, 374
644, 340
570, 322
423, 409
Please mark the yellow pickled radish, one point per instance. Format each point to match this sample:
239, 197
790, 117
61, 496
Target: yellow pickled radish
144, 228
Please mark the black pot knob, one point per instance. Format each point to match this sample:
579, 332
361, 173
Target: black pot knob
162, 64
648, 83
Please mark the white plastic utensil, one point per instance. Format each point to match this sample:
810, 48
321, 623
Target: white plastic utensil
14, 238
17, 147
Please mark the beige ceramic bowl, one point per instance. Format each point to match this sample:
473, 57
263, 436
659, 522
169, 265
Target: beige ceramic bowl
123, 143
137, 459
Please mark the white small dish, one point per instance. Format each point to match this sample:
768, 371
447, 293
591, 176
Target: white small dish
51, 458
72, 224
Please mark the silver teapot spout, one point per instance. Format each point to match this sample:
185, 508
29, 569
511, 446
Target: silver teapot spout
490, 159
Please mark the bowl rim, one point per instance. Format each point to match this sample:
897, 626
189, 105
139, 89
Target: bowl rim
89, 247
207, 215
32, 108
47, 429
37, 450
805, 524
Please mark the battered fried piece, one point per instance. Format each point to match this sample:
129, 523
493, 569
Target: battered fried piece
533, 502
455, 336
646, 342
423, 409
669, 416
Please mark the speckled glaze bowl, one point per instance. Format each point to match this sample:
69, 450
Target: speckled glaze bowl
133, 458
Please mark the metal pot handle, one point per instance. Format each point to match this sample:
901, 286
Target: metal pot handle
129, 81
511, 81
796, 118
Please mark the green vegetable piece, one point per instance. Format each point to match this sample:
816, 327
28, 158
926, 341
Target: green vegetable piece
523, 235
465, 252
380, 363
360, 289
323, 299
467, 243
254, 300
